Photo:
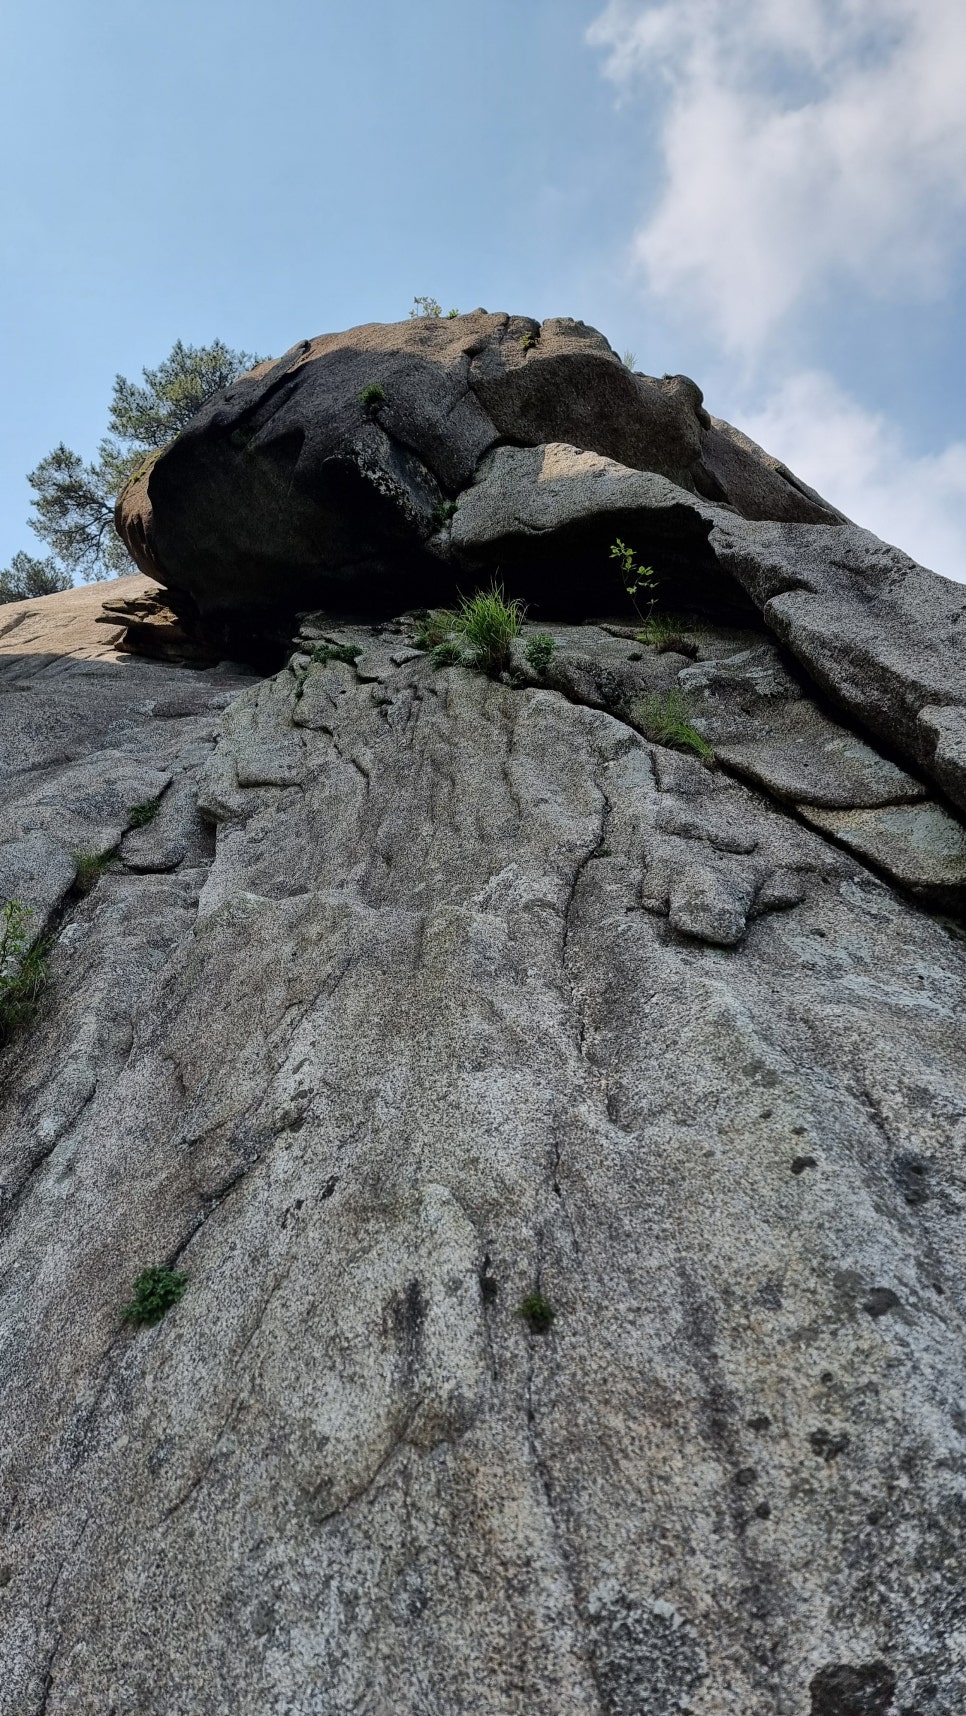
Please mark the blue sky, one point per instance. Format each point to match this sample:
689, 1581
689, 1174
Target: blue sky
768, 197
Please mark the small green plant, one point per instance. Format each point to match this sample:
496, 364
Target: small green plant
446, 654
666, 718
90, 868
372, 396
428, 307
489, 623
326, 652
443, 511
155, 1291
433, 627
537, 1311
665, 633
529, 340
540, 652
629, 360
23, 966
141, 814
635, 577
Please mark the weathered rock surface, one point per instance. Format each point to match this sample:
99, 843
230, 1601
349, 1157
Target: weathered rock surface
92, 739
881, 636
289, 489
481, 993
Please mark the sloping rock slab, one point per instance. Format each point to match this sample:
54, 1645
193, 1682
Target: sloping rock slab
425, 1041
920, 845
91, 737
884, 638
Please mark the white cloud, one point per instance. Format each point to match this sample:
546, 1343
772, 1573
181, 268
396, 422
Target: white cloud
858, 460
805, 144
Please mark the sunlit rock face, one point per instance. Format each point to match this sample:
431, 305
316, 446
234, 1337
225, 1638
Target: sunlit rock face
333, 474
563, 1135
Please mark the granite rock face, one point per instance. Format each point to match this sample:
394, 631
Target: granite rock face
879, 635
478, 992
387, 465
329, 475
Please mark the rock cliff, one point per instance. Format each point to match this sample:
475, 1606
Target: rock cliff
562, 1133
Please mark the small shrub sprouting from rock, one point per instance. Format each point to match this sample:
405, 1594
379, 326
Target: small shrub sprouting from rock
629, 360
90, 868
446, 654
537, 1311
426, 306
23, 967
635, 577
326, 652
155, 1291
489, 623
666, 718
540, 652
372, 396
443, 511
141, 814
529, 340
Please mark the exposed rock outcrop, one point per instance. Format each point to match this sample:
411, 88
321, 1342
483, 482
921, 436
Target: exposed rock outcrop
325, 476
386, 464
479, 993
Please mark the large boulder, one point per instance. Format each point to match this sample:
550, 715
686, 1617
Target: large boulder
326, 476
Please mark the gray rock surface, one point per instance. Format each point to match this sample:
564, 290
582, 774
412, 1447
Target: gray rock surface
481, 993
882, 637
920, 845
328, 475
758, 485
90, 737
496, 443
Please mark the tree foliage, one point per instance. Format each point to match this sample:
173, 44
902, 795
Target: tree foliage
74, 502
27, 576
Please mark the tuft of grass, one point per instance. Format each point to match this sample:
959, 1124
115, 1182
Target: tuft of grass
326, 652
23, 966
664, 633
433, 626
90, 868
540, 652
666, 718
141, 814
537, 1311
155, 1291
629, 360
372, 396
442, 513
489, 623
446, 654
